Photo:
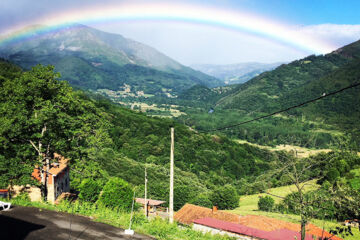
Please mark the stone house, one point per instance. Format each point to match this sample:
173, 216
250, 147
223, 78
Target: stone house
58, 180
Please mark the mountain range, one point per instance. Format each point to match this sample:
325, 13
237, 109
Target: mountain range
235, 73
92, 59
317, 124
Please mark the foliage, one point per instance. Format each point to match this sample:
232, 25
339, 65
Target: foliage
314, 125
266, 203
89, 190
117, 193
202, 200
225, 197
39, 116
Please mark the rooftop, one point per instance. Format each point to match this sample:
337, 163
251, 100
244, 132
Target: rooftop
272, 224
55, 168
278, 234
189, 212
151, 202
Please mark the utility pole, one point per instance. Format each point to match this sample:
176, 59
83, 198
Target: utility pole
171, 202
146, 207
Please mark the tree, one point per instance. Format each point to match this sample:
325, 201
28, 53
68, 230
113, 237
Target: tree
266, 203
89, 190
117, 193
325, 202
39, 116
225, 197
202, 200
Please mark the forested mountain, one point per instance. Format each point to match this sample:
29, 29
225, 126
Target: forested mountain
315, 125
265, 92
93, 59
235, 73
103, 139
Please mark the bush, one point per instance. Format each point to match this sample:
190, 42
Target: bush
225, 197
89, 190
266, 203
332, 175
117, 193
202, 200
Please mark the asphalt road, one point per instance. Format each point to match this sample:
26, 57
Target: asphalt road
36, 224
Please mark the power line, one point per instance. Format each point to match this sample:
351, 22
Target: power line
283, 110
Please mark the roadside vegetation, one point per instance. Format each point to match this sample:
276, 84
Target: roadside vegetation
157, 227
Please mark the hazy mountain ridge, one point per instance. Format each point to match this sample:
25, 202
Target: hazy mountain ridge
264, 93
235, 73
104, 60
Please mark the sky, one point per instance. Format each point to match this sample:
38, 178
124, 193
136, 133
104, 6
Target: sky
205, 31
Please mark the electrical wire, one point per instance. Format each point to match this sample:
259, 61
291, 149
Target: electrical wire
283, 110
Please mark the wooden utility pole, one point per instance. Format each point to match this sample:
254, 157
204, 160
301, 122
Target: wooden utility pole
171, 200
146, 207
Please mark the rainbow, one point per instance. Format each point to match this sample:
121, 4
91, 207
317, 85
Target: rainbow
167, 12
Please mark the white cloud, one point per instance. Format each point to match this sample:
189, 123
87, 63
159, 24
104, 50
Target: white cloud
336, 34
190, 43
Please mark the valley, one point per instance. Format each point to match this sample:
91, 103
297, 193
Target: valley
107, 103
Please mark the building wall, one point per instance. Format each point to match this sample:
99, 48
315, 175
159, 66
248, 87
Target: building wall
56, 186
213, 231
61, 183
34, 192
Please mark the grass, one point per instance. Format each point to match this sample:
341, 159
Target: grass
248, 206
249, 202
158, 228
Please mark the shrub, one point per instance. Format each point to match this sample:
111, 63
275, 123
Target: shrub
202, 200
89, 190
117, 193
225, 197
332, 175
266, 203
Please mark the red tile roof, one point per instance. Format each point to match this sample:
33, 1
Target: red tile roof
279, 234
189, 212
55, 168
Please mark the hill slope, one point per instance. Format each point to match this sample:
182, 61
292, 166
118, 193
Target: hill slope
266, 92
103, 139
315, 125
93, 59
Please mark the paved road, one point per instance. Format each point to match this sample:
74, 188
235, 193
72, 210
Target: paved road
37, 224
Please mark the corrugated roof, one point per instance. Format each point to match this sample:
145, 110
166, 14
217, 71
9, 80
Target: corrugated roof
151, 202
279, 234
189, 212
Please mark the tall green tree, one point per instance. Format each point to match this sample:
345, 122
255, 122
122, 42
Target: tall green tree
40, 115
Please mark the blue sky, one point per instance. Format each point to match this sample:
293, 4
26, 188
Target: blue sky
305, 12
331, 20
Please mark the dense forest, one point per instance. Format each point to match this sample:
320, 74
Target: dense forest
316, 125
103, 139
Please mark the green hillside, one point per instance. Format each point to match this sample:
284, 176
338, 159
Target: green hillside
300, 80
315, 125
103, 139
